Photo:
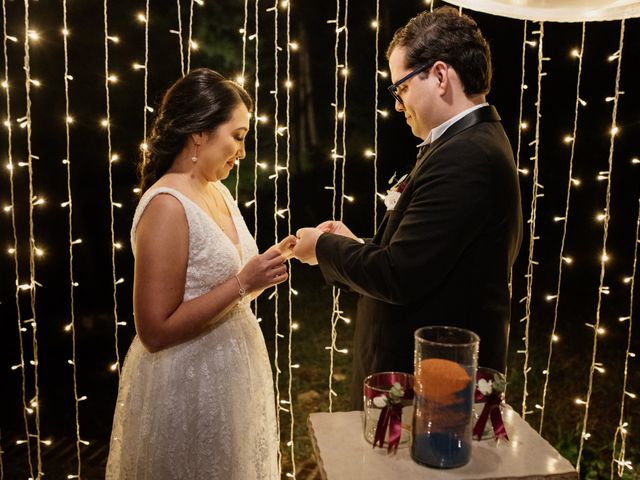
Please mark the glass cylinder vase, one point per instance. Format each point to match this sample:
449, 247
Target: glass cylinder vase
446, 359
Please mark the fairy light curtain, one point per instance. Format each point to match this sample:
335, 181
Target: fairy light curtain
22, 168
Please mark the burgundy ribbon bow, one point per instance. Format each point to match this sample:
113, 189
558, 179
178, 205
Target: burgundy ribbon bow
391, 418
491, 409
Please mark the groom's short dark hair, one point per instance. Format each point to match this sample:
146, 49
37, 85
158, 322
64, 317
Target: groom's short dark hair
451, 37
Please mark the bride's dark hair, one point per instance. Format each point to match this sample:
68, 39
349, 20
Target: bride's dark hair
199, 102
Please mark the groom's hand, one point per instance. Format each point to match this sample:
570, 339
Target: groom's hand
305, 249
338, 228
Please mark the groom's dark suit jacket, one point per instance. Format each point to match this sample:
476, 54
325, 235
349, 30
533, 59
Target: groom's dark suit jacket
442, 256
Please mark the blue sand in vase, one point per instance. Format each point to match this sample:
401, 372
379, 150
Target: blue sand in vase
442, 430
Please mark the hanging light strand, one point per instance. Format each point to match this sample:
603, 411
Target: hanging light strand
10, 167
241, 79
291, 442
536, 187
180, 43
618, 457
597, 330
190, 42
72, 323
276, 341
107, 124
522, 89
334, 291
35, 401
375, 117
147, 109
561, 258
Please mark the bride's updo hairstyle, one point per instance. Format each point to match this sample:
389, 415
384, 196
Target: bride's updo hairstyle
198, 102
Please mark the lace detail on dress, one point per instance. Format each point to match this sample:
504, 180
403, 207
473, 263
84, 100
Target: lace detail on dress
203, 409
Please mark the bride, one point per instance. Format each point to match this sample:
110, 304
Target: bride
196, 395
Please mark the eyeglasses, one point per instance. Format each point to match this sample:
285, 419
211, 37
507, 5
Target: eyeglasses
393, 88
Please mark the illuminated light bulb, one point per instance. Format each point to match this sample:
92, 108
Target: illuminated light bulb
136, 190
531, 43
582, 102
284, 3
38, 201
524, 126
627, 279
605, 258
13, 39
112, 79
599, 369
7, 208
200, 2
138, 66
46, 442
567, 139
615, 130
11, 250
614, 56
24, 286
555, 338
5, 84
149, 109
524, 171
567, 260
349, 198
538, 406
262, 118
280, 131
601, 331
6, 123
369, 153
121, 323
341, 114
635, 160
113, 367
630, 395
117, 205
384, 113
193, 45
83, 398
33, 35
600, 217
576, 182
262, 165
240, 80
144, 146
346, 320
374, 24
119, 281
579, 401
622, 319
344, 72
77, 241
288, 84
35, 82
383, 73
70, 362
575, 53
39, 251
84, 442
65, 32
294, 45
67, 328
117, 245
558, 219
29, 410
249, 203
69, 120
115, 157
141, 17
113, 38
550, 297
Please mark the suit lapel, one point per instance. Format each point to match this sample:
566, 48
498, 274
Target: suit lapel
484, 114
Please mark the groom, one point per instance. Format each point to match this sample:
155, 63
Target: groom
443, 253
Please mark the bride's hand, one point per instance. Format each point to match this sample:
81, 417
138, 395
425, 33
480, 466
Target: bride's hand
336, 227
285, 246
263, 271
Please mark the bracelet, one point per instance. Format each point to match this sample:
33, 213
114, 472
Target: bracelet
241, 291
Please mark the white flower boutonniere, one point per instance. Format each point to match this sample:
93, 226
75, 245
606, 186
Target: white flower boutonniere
393, 194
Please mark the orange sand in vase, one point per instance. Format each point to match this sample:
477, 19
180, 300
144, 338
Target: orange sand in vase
440, 382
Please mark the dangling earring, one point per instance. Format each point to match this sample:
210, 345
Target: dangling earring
194, 159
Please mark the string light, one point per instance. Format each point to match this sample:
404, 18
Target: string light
369, 153
536, 187
179, 34
598, 330
107, 125
562, 258
190, 40
13, 250
240, 78
32, 244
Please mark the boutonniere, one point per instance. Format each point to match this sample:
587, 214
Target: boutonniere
490, 388
393, 194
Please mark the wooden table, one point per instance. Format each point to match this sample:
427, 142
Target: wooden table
343, 454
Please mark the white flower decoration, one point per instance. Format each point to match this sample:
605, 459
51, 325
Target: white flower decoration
391, 199
380, 401
485, 386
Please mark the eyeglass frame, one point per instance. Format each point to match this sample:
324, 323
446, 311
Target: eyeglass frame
393, 88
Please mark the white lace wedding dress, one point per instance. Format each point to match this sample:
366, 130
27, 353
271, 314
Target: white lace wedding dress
203, 409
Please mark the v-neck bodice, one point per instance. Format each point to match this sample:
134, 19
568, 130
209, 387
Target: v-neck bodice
213, 257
